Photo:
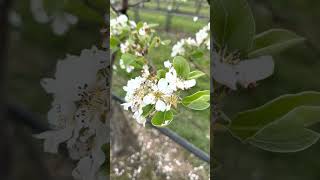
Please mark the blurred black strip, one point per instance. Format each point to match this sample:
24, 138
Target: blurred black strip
20, 114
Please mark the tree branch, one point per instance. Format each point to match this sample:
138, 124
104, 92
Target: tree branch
114, 9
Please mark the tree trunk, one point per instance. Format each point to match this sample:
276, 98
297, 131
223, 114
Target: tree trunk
123, 139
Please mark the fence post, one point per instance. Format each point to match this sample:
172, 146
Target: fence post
168, 19
199, 6
136, 13
170, 11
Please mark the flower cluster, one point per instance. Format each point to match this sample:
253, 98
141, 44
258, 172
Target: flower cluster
158, 93
121, 24
78, 111
202, 39
128, 37
139, 41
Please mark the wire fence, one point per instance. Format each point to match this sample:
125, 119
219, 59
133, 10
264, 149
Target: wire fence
37, 125
176, 138
171, 9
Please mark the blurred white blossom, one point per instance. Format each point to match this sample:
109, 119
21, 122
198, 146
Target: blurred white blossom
195, 19
60, 21
79, 96
202, 39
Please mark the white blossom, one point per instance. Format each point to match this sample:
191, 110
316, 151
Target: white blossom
147, 90
167, 64
149, 99
79, 97
161, 106
178, 48
189, 83
195, 19
202, 38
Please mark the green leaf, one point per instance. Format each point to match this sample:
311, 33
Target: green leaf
154, 43
139, 25
128, 59
199, 105
195, 74
165, 42
289, 133
233, 26
114, 42
162, 119
197, 54
181, 66
247, 124
274, 41
161, 73
197, 101
147, 110
82, 11
132, 60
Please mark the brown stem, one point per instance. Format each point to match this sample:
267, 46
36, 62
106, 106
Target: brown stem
125, 7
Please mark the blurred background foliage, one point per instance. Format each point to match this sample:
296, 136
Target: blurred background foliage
34, 50
296, 70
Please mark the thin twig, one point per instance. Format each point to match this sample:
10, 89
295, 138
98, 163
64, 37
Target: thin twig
114, 9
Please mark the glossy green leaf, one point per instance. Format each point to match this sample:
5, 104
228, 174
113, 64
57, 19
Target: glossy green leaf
289, 133
197, 101
162, 119
248, 123
147, 110
161, 73
274, 41
195, 74
233, 24
181, 66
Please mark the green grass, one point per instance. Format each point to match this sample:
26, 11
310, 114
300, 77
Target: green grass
187, 7
178, 23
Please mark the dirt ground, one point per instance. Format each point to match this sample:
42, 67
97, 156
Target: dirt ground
153, 155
